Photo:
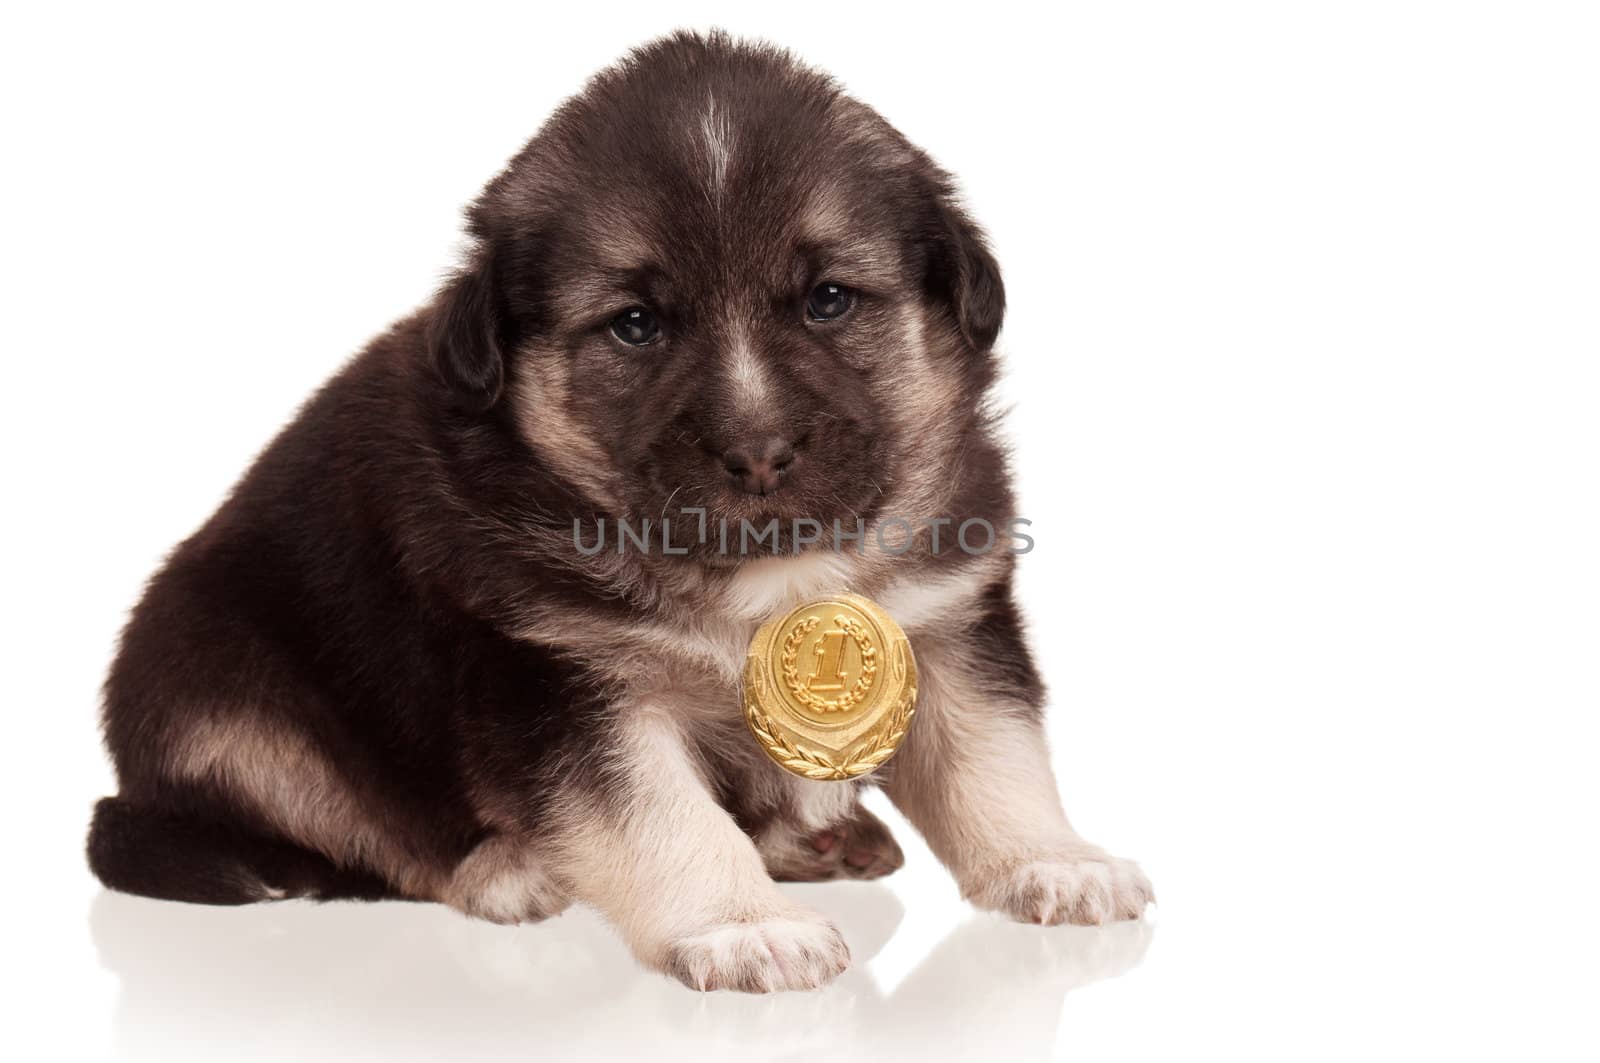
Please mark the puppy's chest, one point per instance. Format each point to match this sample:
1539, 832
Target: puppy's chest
698, 670
702, 687
699, 664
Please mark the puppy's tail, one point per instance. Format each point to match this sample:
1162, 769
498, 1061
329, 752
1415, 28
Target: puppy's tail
155, 852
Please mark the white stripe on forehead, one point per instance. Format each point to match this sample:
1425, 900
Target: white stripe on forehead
718, 138
748, 385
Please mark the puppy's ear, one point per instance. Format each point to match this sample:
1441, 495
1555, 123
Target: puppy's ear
964, 273
468, 334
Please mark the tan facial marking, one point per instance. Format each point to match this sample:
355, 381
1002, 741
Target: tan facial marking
747, 379
542, 395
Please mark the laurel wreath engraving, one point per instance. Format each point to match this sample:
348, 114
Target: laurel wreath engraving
818, 764
797, 685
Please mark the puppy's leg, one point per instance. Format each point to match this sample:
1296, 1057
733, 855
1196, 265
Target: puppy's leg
652, 849
974, 777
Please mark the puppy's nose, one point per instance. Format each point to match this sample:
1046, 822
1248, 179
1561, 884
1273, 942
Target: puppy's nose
758, 467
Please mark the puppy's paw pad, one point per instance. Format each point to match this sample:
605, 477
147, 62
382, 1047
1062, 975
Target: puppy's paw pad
859, 847
1088, 890
868, 849
759, 957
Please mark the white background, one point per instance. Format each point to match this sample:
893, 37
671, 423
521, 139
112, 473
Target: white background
1303, 340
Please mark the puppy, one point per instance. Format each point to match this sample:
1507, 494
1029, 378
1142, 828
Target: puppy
391, 666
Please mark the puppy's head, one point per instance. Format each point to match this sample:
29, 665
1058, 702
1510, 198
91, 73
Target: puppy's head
712, 280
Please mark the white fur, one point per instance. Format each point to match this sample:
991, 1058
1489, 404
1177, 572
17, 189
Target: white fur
767, 587
761, 957
717, 138
1089, 888
747, 378
976, 780
684, 885
920, 602
504, 880
817, 805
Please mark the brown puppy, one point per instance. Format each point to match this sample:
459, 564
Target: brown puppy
396, 663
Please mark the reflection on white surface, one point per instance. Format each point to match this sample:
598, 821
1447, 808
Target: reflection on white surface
298, 980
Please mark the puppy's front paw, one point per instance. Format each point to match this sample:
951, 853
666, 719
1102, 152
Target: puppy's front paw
1088, 889
764, 956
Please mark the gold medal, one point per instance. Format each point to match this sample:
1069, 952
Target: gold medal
830, 688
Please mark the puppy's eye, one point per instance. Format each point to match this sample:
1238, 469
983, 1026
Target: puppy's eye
828, 301
636, 326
